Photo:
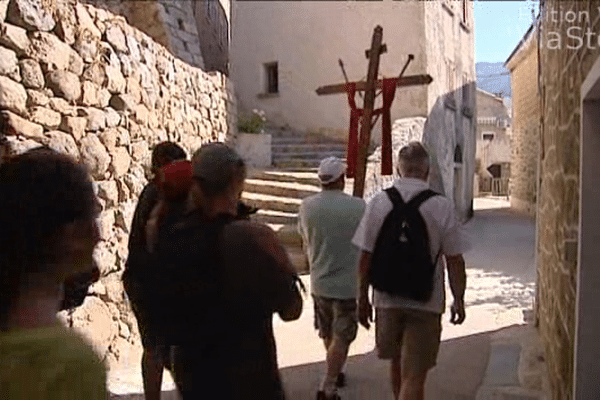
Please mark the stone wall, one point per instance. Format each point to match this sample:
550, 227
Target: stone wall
450, 127
81, 80
563, 71
492, 118
169, 22
526, 120
213, 21
404, 130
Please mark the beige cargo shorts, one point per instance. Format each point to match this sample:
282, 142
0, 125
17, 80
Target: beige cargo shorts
336, 317
412, 335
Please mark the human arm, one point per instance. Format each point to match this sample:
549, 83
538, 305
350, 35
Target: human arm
457, 278
268, 274
364, 238
365, 310
300, 227
291, 308
455, 242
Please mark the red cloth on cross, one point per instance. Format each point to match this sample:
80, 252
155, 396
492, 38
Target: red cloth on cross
389, 90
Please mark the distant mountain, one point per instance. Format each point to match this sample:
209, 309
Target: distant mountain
493, 78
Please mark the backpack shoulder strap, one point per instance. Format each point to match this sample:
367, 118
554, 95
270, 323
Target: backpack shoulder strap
395, 197
421, 198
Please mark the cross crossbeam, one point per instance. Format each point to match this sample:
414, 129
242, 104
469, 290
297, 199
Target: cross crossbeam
361, 86
358, 144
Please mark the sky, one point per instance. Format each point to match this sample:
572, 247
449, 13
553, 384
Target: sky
499, 26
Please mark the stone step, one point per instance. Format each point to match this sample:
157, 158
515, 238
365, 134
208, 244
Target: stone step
299, 140
308, 177
274, 203
271, 217
297, 164
284, 189
307, 147
314, 155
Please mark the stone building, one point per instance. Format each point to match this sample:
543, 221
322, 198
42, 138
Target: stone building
523, 64
213, 20
493, 154
283, 51
197, 32
82, 80
568, 213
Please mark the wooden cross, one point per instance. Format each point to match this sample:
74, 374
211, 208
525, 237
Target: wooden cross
369, 87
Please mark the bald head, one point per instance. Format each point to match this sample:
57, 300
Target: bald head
413, 161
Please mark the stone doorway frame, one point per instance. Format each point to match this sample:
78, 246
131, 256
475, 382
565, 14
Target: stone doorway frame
586, 367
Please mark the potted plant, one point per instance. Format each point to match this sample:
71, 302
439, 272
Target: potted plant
252, 143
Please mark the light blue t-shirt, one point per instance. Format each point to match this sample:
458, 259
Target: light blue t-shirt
327, 222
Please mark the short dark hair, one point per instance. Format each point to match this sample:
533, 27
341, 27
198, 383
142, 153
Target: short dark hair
165, 153
41, 190
216, 166
413, 159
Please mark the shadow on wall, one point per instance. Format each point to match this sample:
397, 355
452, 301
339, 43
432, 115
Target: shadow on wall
171, 24
213, 34
204, 33
141, 15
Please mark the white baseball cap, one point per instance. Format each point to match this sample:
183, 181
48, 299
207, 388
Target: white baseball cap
331, 169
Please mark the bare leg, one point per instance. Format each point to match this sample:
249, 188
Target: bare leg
337, 352
152, 372
413, 387
396, 376
327, 343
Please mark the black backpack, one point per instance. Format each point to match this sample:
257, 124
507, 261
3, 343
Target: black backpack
401, 261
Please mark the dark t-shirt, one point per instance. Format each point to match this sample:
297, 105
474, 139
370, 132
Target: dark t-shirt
138, 260
146, 202
232, 284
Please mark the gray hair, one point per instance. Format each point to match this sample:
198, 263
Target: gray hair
413, 160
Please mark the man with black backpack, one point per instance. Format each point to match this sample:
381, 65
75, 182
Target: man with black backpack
405, 235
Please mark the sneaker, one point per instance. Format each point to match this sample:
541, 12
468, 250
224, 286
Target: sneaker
322, 396
341, 380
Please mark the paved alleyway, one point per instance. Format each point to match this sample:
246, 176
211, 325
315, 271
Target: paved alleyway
501, 281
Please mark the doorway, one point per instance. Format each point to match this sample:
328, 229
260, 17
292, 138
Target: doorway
587, 328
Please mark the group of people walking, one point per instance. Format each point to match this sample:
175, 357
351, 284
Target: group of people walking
398, 243
205, 283
204, 280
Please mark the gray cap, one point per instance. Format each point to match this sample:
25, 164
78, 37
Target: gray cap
213, 162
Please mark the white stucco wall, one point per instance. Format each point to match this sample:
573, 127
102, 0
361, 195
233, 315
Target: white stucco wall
450, 121
307, 39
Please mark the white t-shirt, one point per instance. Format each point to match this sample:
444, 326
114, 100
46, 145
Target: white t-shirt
446, 236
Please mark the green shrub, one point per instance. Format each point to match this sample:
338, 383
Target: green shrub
254, 123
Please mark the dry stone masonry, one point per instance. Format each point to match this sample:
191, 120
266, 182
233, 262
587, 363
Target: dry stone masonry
171, 23
562, 71
81, 80
404, 131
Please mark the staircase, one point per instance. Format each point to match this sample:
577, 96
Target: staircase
277, 195
278, 191
294, 150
